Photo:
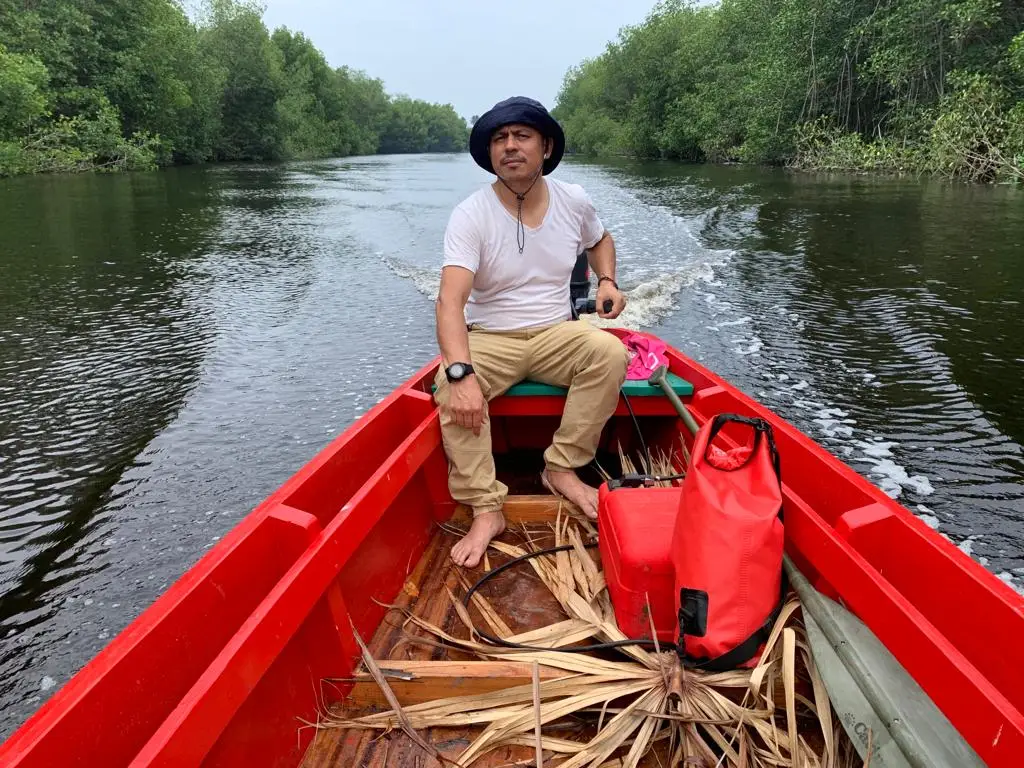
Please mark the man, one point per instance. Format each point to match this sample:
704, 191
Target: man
503, 315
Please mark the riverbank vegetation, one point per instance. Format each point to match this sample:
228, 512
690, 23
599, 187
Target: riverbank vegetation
931, 86
123, 84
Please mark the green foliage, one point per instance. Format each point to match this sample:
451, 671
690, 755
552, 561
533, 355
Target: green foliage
921, 85
80, 143
238, 44
22, 98
123, 84
1015, 55
365, 108
973, 135
585, 115
416, 126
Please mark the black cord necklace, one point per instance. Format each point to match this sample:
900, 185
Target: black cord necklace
520, 196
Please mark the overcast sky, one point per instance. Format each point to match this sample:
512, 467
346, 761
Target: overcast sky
469, 53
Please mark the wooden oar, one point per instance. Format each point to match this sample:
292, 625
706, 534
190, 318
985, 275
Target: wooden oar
878, 702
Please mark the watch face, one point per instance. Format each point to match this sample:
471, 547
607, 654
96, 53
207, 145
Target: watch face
457, 370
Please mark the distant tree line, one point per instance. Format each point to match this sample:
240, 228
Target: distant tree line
94, 84
917, 85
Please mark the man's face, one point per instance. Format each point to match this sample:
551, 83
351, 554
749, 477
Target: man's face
517, 152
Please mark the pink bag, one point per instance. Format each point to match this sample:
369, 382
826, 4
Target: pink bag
645, 353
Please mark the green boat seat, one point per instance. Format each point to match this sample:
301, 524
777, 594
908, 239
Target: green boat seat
631, 388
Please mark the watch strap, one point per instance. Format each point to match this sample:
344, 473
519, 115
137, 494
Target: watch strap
467, 370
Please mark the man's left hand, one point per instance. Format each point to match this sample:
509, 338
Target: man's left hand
607, 291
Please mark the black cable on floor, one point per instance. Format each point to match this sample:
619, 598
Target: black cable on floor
577, 649
643, 443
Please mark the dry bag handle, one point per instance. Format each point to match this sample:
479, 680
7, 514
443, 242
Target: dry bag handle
759, 426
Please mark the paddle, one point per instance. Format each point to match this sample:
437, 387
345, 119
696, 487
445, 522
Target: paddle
878, 702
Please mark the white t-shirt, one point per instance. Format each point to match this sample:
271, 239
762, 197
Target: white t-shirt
513, 290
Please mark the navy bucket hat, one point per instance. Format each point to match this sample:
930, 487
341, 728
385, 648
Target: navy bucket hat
524, 111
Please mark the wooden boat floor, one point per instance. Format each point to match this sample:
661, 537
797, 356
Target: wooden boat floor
520, 598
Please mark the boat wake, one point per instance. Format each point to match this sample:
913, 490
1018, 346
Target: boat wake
427, 281
650, 298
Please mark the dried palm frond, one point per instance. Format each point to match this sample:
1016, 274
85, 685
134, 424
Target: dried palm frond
661, 463
757, 717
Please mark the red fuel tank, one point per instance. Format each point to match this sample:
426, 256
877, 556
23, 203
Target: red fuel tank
635, 541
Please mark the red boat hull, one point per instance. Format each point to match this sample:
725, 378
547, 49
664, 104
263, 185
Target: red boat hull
223, 667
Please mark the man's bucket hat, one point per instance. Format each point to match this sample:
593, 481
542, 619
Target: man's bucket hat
524, 111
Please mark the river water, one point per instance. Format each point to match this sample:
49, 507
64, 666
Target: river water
174, 345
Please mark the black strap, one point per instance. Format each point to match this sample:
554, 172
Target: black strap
742, 652
759, 425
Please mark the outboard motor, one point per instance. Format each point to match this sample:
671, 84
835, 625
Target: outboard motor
579, 282
580, 302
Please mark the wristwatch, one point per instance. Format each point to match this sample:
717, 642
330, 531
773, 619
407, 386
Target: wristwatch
458, 371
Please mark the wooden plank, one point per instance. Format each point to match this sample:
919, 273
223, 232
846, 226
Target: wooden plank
416, 682
519, 597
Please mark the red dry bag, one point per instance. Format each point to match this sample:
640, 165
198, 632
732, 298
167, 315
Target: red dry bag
727, 546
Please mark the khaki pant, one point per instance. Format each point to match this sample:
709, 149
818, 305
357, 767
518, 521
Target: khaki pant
590, 362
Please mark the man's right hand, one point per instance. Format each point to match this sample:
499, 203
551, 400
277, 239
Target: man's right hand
466, 403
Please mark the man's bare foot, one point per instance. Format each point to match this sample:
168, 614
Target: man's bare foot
569, 486
472, 546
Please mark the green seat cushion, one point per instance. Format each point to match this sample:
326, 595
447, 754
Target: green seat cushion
631, 387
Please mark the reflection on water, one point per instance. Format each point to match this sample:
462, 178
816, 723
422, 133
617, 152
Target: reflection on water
174, 345
100, 342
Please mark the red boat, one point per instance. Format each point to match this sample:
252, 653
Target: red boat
226, 665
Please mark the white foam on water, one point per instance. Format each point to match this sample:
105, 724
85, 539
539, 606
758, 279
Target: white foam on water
753, 346
893, 479
47, 683
647, 302
929, 517
876, 449
1013, 581
834, 423
731, 323
801, 385
651, 301
967, 545
427, 281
